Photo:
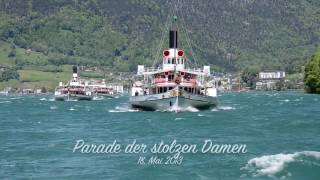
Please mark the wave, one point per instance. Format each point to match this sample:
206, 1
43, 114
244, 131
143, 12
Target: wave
98, 98
72, 100
178, 119
190, 109
118, 109
271, 95
53, 107
47, 99
272, 165
4, 102
227, 108
285, 100
179, 109
15, 98
223, 108
299, 99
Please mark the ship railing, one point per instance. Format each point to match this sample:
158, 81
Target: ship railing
192, 81
152, 69
163, 80
194, 70
197, 71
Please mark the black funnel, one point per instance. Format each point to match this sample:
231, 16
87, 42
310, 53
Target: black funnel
75, 69
173, 39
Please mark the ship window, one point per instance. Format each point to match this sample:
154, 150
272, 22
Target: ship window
173, 61
168, 61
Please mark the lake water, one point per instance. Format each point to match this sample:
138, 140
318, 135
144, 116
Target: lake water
281, 131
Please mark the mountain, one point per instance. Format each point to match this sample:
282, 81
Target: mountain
229, 35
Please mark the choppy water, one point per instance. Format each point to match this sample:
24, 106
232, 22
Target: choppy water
281, 131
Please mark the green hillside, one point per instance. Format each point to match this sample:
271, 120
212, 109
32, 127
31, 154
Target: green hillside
228, 35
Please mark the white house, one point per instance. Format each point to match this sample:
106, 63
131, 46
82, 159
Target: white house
272, 75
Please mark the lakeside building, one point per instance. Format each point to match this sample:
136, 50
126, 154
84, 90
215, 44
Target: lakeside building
228, 82
272, 75
271, 80
5, 91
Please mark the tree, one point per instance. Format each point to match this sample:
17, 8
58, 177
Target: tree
312, 74
9, 74
13, 52
250, 76
280, 85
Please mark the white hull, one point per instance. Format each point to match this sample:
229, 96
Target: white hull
167, 101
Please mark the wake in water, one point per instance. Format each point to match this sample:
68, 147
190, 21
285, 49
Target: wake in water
191, 109
119, 109
277, 165
71, 100
179, 109
98, 98
45, 99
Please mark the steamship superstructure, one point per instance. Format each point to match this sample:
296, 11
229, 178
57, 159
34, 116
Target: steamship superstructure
173, 87
102, 89
75, 89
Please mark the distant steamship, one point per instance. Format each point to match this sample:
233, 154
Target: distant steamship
75, 89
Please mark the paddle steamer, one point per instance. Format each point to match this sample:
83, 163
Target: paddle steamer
75, 89
173, 86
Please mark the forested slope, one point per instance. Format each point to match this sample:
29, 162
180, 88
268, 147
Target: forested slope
230, 35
